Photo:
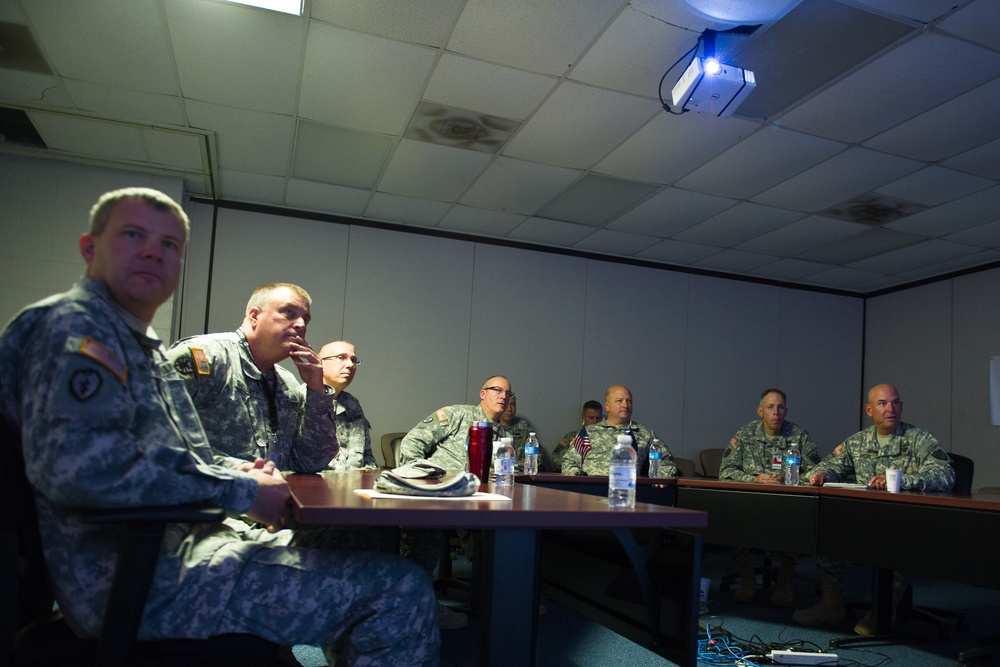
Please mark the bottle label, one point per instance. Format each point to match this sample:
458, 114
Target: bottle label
655, 456
505, 466
621, 477
530, 450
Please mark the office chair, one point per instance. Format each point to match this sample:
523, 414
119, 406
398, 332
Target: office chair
390, 448
711, 461
685, 466
33, 635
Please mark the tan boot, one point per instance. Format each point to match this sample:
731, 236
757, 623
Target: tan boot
828, 611
866, 626
748, 580
783, 592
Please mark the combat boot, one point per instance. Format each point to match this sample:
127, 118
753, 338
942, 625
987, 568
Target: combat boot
748, 580
866, 626
783, 592
828, 611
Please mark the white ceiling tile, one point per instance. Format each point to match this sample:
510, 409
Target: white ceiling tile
738, 224
480, 221
872, 242
487, 88
977, 21
407, 210
677, 252
252, 53
595, 199
935, 185
578, 125
258, 188
841, 277
802, 235
734, 261
428, 171
789, 269
923, 11
517, 187
89, 136
127, 104
550, 232
983, 236
982, 161
669, 212
632, 54
133, 50
876, 283
615, 243
186, 150
951, 128
546, 37
339, 156
247, 141
963, 261
911, 257
916, 76
424, 22
29, 87
845, 175
360, 81
312, 196
760, 161
976, 209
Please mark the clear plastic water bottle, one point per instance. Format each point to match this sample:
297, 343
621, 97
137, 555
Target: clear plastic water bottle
621, 475
503, 464
793, 460
531, 454
656, 450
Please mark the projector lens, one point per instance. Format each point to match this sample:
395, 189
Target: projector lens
712, 66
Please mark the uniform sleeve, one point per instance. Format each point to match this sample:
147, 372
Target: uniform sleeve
839, 464
315, 444
572, 463
368, 460
732, 462
934, 471
422, 438
810, 455
88, 441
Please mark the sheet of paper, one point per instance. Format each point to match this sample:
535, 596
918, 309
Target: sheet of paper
845, 485
478, 495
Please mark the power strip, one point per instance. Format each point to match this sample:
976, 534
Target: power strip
802, 658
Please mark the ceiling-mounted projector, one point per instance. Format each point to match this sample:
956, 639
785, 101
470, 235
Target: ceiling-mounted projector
711, 87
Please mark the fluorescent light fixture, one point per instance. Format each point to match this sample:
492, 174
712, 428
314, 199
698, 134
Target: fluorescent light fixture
285, 6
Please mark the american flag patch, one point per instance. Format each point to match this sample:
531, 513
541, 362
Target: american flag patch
105, 357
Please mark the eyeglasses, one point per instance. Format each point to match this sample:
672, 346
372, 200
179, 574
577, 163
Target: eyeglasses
499, 390
342, 358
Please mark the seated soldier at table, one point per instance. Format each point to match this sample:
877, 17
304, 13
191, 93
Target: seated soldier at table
591, 414
889, 443
756, 454
603, 436
517, 428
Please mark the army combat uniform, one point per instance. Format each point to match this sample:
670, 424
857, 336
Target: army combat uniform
441, 437
752, 452
559, 453
518, 430
603, 438
105, 421
354, 435
234, 401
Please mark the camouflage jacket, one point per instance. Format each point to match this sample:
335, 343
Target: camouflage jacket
603, 438
231, 395
518, 429
105, 421
354, 435
441, 438
925, 465
751, 452
559, 453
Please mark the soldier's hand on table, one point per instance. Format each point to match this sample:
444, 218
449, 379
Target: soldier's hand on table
272, 497
877, 482
818, 477
767, 478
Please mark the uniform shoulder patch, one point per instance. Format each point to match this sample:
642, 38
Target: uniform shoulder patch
105, 357
195, 363
441, 415
839, 450
84, 384
735, 444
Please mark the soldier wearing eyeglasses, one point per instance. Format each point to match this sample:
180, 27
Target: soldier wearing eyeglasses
354, 431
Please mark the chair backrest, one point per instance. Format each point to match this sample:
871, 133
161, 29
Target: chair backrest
390, 448
964, 470
685, 466
711, 461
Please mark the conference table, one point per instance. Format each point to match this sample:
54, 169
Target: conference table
508, 603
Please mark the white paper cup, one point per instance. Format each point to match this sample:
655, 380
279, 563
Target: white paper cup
892, 480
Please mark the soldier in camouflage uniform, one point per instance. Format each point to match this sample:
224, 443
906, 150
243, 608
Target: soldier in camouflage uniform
756, 454
517, 428
249, 405
863, 458
441, 437
105, 421
604, 437
591, 414
354, 432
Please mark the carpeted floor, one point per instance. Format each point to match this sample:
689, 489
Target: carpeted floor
568, 639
